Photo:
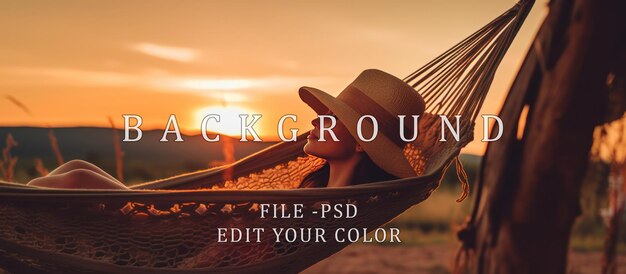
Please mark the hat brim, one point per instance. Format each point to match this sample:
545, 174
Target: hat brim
382, 150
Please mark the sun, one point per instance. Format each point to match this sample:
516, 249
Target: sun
229, 123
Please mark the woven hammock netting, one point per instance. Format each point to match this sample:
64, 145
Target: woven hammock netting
169, 225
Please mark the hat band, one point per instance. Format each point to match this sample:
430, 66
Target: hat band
388, 124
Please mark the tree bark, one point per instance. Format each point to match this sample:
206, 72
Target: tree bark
531, 186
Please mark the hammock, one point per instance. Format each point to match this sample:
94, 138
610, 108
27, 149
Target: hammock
169, 226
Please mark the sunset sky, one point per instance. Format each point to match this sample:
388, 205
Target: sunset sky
75, 63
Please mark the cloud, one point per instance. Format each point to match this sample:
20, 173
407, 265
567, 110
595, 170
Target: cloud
216, 84
232, 88
178, 54
69, 76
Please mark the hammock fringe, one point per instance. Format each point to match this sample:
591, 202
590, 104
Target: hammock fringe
463, 179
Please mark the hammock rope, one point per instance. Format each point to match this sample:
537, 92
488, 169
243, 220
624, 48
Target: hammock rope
169, 225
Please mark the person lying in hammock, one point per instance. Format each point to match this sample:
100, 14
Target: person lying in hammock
349, 160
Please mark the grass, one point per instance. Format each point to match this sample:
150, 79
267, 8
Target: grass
54, 143
119, 153
440, 208
7, 162
592, 243
39, 166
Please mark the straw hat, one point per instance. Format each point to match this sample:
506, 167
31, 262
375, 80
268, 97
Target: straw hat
383, 96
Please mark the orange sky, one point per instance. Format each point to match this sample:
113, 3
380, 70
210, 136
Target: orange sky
74, 63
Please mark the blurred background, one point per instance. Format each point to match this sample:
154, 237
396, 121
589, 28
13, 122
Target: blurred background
69, 70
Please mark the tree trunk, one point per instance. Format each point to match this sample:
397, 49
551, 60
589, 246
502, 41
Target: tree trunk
531, 186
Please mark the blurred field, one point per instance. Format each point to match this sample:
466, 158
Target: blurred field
145, 160
431, 259
429, 244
